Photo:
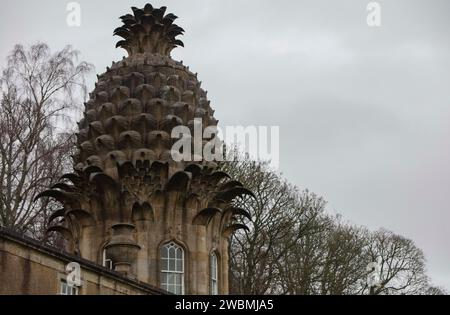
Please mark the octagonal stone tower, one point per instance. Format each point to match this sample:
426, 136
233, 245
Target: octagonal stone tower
128, 204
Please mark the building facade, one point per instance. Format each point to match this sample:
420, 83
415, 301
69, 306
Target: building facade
28, 267
134, 204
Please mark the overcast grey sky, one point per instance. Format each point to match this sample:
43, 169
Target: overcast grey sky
363, 112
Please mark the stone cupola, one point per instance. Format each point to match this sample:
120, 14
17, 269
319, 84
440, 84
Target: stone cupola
128, 202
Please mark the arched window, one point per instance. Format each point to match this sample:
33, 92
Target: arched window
214, 275
172, 268
107, 262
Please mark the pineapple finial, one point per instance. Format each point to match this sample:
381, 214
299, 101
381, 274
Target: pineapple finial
149, 31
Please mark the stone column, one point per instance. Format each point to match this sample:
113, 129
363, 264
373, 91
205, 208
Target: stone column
202, 262
224, 280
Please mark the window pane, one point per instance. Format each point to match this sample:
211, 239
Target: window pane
63, 288
179, 265
172, 253
178, 280
67, 290
179, 253
213, 266
164, 252
171, 278
213, 275
171, 265
163, 278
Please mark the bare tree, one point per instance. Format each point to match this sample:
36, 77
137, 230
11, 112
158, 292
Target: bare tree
300, 268
330, 262
38, 91
344, 265
401, 267
294, 247
433, 290
281, 216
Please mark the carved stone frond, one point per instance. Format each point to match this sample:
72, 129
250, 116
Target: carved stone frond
57, 214
179, 182
230, 194
64, 231
233, 211
104, 182
83, 216
217, 176
230, 230
205, 216
149, 31
143, 212
59, 195
74, 178
194, 169
64, 187
231, 184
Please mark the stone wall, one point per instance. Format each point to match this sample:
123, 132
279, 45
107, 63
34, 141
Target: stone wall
28, 267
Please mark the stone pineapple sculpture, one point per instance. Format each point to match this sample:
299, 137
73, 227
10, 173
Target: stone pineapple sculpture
127, 196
